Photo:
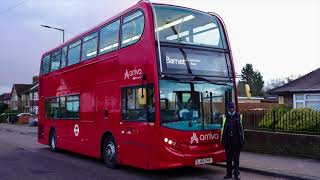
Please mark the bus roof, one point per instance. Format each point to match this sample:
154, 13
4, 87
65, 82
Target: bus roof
97, 26
138, 4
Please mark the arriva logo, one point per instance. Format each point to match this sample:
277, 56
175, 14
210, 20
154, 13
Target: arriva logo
134, 74
194, 138
204, 137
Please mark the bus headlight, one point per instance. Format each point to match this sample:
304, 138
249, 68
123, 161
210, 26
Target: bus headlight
169, 141
166, 140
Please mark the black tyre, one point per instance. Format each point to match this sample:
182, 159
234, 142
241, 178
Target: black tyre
109, 152
53, 141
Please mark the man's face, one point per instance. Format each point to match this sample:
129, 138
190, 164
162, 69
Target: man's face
231, 109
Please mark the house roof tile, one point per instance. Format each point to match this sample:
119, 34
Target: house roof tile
5, 96
307, 83
21, 88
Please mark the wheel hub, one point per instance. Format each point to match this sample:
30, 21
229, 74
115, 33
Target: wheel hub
110, 152
53, 142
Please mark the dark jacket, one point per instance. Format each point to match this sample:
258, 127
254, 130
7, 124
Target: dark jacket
240, 133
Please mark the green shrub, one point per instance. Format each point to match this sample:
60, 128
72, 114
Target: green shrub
3, 119
9, 111
3, 107
301, 119
268, 119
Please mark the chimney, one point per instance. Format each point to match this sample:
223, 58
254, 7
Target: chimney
35, 79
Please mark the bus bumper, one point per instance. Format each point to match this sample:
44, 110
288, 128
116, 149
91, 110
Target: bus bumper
173, 158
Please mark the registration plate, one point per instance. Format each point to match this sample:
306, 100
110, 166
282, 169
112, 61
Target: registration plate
203, 161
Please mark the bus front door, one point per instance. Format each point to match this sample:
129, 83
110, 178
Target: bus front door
137, 125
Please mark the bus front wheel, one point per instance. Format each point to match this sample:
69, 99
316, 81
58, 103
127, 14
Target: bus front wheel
53, 141
109, 152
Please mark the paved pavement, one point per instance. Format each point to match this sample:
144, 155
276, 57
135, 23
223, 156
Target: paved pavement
21, 157
298, 168
279, 166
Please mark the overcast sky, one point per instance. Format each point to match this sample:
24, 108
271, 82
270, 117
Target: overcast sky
280, 39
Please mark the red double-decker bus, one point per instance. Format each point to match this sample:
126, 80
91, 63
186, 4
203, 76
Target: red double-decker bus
145, 88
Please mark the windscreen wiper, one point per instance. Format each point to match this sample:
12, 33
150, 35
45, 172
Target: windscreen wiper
171, 78
199, 78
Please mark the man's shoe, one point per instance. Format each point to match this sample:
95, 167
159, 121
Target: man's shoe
237, 178
227, 176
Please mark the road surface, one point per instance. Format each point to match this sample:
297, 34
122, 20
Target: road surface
22, 158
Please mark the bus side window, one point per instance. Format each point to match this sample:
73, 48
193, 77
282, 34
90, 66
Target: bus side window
45, 65
73, 107
55, 60
64, 107
74, 53
132, 28
90, 46
64, 53
109, 37
138, 104
47, 108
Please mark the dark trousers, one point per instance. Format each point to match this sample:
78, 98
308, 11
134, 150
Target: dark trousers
233, 154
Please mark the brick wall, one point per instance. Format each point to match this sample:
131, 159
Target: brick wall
283, 143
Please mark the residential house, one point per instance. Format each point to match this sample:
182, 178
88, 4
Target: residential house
19, 97
303, 92
5, 98
33, 99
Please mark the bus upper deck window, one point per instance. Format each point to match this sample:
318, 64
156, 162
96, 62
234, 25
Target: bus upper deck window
132, 28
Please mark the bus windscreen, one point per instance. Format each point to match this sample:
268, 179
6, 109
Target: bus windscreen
186, 26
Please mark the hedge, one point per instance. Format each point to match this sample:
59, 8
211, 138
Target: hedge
3, 119
300, 119
268, 119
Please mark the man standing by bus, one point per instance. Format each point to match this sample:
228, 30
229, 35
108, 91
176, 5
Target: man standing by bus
232, 140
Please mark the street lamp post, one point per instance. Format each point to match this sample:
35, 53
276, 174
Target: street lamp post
55, 29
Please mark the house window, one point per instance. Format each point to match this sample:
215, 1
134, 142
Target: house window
15, 97
35, 96
311, 101
281, 100
299, 97
299, 104
35, 109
